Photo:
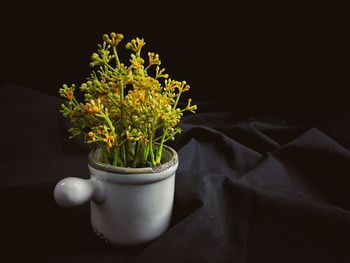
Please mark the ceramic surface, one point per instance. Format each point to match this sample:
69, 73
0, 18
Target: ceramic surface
128, 205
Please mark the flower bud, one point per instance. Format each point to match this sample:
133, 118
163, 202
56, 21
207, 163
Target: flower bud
83, 87
128, 46
106, 38
95, 57
120, 36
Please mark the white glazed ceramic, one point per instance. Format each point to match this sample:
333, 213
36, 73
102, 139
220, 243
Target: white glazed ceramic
128, 206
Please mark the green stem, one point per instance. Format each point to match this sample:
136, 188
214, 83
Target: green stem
122, 148
116, 56
158, 126
145, 153
149, 65
140, 153
160, 149
177, 99
158, 138
122, 119
111, 68
151, 149
75, 101
151, 153
104, 154
111, 126
136, 154
109, 96
122, 102
129, 153
136, 148
116, 155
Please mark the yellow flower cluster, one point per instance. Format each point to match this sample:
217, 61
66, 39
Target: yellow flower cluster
127, 112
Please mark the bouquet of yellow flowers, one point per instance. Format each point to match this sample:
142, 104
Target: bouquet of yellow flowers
128, 112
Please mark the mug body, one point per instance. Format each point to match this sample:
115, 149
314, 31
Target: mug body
137, 202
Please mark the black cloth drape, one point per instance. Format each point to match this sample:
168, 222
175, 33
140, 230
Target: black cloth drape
248, 189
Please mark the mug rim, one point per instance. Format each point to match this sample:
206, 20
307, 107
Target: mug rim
129, 170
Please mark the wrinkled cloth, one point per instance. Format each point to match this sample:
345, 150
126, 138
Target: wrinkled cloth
248, 189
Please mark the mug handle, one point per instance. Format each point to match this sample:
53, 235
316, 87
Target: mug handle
72, 191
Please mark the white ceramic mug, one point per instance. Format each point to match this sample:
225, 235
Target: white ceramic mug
128, 206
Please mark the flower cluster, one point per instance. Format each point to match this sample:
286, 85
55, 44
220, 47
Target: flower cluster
126, 111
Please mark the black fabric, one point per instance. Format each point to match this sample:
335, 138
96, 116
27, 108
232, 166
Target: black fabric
248, 189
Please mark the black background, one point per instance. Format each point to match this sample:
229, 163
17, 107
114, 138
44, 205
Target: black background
252, 57
263, 173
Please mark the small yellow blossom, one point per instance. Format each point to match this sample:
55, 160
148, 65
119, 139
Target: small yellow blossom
126, 108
